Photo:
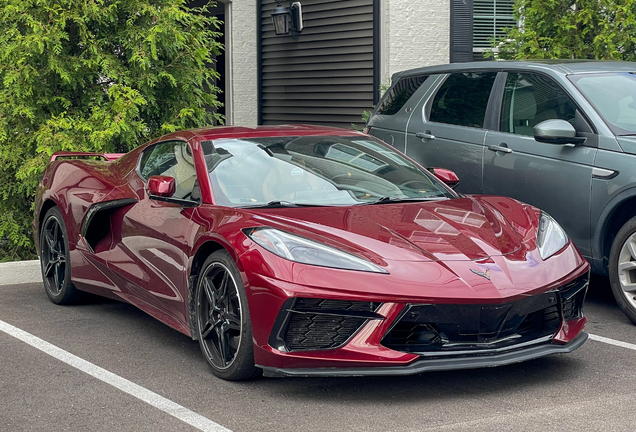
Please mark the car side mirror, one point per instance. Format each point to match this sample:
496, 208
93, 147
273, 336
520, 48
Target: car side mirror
161, 186
447, 176
556, 131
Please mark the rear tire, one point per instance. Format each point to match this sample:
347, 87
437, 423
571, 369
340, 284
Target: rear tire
223, 320
622, 269
55, 260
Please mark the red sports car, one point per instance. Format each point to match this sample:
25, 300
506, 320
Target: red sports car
302, 250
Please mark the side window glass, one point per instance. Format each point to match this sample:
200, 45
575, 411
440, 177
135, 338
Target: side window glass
399, 94
530, 99
173, 159
462, 99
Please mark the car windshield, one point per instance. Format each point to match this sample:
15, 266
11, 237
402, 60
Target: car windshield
614, 97
314, 170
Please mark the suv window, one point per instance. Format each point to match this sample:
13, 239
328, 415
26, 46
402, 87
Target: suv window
399, 93
462, 99
174, 159
530, 99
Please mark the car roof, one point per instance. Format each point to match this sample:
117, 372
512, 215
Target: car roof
565, 67
217, 132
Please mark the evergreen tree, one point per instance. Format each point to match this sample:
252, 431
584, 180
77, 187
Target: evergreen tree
568, 29
94, 75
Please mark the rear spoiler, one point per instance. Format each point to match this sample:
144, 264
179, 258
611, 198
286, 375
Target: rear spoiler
108, 157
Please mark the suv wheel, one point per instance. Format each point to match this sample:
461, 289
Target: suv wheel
622, 268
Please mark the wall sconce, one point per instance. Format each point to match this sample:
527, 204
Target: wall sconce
288, 19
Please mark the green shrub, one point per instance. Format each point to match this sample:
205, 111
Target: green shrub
569, 29
94, 75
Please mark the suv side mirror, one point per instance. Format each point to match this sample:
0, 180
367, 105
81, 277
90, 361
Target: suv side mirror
446, 176
556, 131
161, 186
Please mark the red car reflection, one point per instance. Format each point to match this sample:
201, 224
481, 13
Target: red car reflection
302, 251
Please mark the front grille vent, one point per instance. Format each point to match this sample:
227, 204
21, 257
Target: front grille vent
431, 329
460, 327
573, 296
546, 318
326, 305
305, 324
411, 335
310, 332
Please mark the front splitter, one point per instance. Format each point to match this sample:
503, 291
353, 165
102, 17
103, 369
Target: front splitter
433, 365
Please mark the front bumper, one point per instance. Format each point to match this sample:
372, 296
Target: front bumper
313, 337
505, 357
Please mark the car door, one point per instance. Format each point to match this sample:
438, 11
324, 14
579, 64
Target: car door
447, 129
555, 178
388, 121
150, 255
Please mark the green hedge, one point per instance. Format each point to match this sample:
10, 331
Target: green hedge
94, 75
568, 29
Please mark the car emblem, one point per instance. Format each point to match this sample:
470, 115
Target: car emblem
485, 274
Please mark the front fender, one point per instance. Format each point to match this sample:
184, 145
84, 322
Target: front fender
600, 227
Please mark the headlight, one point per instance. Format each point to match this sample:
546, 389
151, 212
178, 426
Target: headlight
550, 238
302, 250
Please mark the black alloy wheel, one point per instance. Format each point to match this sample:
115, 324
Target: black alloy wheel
55, 259
222, 319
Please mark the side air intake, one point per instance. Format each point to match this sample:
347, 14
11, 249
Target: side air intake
96, 225
305, 324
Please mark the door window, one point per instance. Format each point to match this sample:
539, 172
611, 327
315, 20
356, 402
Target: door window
530, 99
173, 159
462, 99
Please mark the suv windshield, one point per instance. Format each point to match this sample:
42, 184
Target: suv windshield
614, 97
314, 170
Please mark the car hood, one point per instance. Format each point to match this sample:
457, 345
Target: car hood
460, 229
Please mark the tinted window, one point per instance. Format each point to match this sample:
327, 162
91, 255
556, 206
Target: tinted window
530, 99
313, 170
398, 94
462, 99
173, 159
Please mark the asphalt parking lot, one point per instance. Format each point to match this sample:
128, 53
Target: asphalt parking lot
593, 388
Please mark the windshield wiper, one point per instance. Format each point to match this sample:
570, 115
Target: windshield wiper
392, 199
281, 204
273, 204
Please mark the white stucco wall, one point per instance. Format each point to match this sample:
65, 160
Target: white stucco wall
242, 49
414, 34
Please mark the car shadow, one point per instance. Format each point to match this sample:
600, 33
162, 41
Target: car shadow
600, 291
449, 385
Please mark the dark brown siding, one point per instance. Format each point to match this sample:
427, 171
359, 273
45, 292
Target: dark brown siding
324, 76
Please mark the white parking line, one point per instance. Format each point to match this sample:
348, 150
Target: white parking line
141, 393
613, 342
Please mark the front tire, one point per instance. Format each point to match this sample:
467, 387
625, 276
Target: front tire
223, 321
622, 269
55, 260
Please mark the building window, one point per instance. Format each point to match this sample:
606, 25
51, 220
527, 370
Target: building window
490, 18
475, 24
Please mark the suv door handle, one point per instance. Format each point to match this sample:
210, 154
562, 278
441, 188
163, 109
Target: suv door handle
425, 135
497, 148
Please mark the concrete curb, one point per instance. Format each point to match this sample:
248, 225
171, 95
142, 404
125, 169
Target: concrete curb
20, 272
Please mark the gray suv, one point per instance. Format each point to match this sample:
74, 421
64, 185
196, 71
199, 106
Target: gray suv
560, 135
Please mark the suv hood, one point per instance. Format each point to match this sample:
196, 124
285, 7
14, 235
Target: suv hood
463, 229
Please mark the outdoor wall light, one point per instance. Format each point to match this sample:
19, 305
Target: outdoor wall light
287, 19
